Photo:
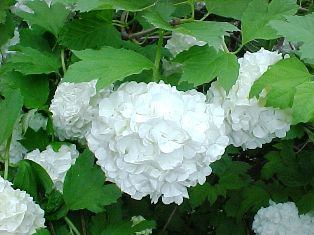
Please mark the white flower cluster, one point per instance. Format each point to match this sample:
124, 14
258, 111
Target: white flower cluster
73, 108
151, 139
248, 123
181, 42
138, 219
55, 163
282, 218
19, 214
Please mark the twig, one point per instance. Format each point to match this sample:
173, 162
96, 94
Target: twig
158, 56
170, 218
7, 158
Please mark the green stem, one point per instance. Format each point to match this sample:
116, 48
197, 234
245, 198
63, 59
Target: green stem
7, 158
225, 46
238, 50
192, 4
156, 72
63, 61
205, 16
71, 226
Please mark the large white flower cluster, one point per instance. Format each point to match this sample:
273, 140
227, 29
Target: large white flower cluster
55, 163
282, 218
73, 108
248, 123
181, 42
19, 214
151, 139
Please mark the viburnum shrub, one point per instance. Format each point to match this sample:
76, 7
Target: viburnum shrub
169, 117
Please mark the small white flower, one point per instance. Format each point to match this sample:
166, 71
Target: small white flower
282, 218
19, 214
248, 123
151, 139
73, 108
55, 163
181, 42
138, 219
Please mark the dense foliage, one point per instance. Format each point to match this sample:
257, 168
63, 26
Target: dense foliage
123, 117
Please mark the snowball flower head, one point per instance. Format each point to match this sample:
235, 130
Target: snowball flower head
181, 42
151, 139
19, 214
282, 218
138, 219
55, 163
73, 109
248, 123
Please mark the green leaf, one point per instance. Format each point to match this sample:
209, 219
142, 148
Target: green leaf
83, 5
42, 232
107, 65
198, 194
272, 166
89, 32
254, 197
50, 18
208, 31
42, 177
25, 179
143, 225
35, 140
298, 29
10, 109
84, 186
203, 64
31, 61
34, 89
259, 13
227, 8
306, 203
55, 208
124, 228
7, 30
303, 103
280, 82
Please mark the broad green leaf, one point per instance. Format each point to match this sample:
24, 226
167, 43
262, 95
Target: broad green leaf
259, 13
50, 18
198, 194
34, 38
84, 186
203, 64
126, 5
208, 31
42, 177
107, 65
7, 30
303, 103
89, 32
35, 140
253, 198
34, 89
32, 61
306, 203
10, 109
124, 228
42, 232
280, 82
227, 8
272, 166
298, 29
25, 179
145, 224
